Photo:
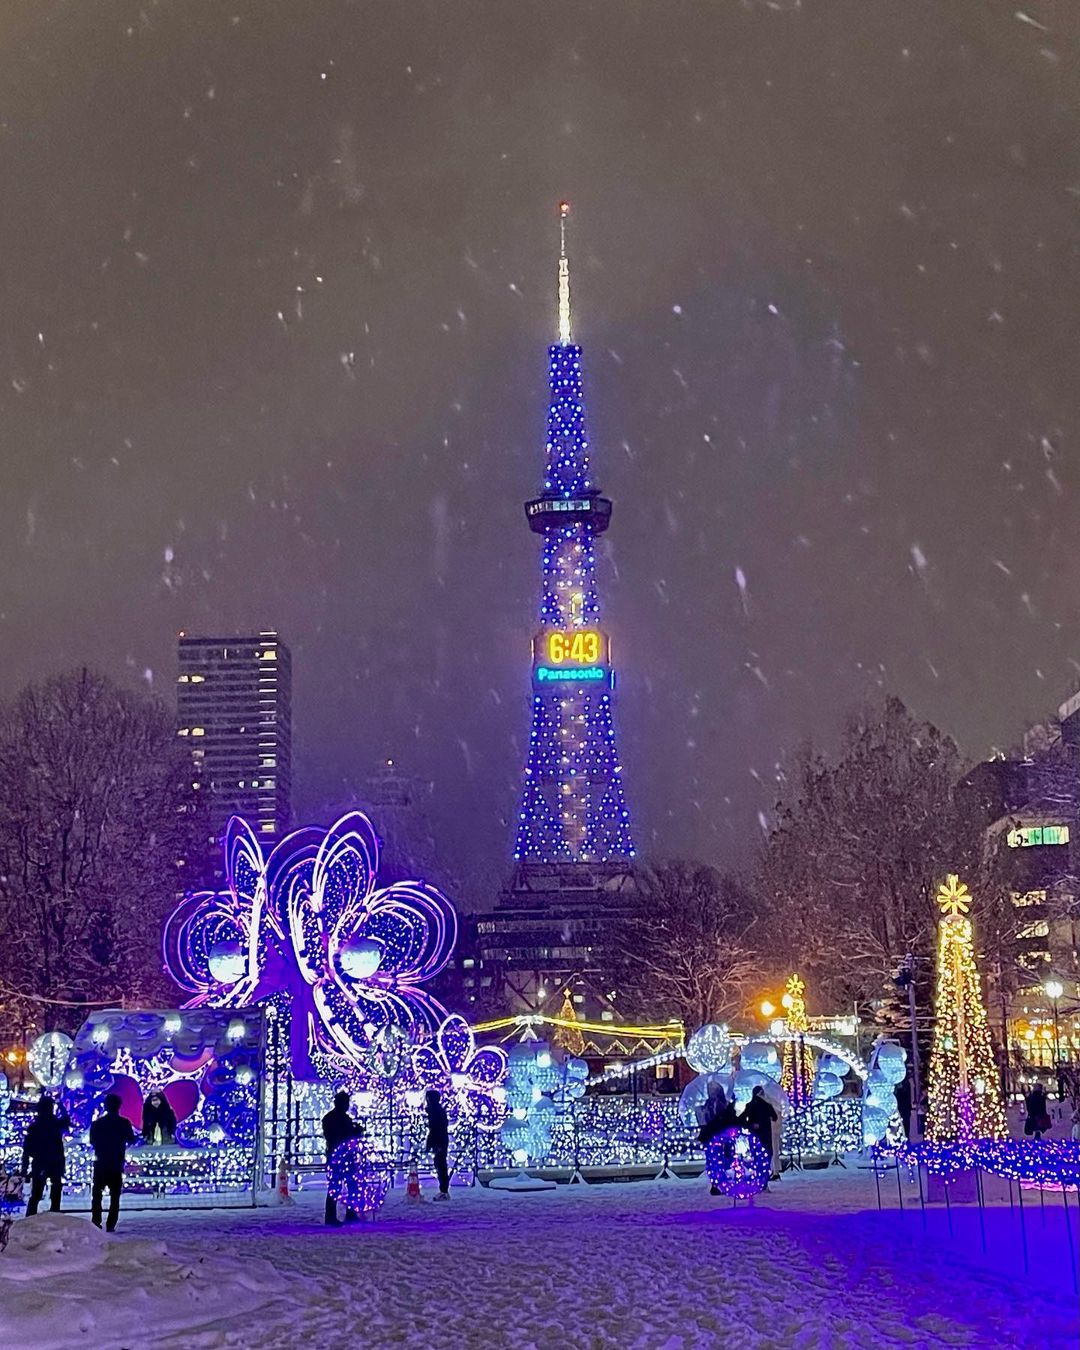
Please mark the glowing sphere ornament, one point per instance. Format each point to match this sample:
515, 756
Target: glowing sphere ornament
48, 1056
355, 1178
760, 1057
737, 1163
226, 962
360, 958
709, 1048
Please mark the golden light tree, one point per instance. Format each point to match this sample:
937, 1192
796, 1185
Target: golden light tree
797, 1065
570, 1038
964, 1094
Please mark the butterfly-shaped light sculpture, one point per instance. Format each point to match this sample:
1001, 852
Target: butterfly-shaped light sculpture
473, 1080
311, 921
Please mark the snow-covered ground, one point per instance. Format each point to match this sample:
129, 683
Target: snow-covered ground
639, 1266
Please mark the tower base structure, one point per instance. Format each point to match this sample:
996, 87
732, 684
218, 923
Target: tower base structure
551, 931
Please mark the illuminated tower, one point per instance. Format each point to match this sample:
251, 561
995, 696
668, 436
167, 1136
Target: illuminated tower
573, 809
547, 939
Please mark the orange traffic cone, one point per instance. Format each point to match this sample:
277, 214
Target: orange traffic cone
283, 1196
412, 1188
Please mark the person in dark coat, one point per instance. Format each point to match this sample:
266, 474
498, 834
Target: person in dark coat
710, 1108
758, 1116
110, 1136
903, 1104
1038, 1117
720, 1116
158, 1115
337, 1127
43, 1155
438, 1140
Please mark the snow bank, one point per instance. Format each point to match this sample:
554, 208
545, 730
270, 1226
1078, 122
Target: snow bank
648, 1266
64, 1283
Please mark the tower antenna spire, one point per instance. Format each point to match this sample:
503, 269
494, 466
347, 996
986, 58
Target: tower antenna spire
565, 336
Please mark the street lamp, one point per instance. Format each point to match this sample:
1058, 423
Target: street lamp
1053, 989
767, 1008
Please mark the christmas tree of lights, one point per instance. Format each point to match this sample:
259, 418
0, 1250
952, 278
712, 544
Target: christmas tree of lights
964, 1096
570, 1038
797, 1070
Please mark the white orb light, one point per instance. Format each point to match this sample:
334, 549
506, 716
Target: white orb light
227, 963
709, 1048
361, 958
48, 1056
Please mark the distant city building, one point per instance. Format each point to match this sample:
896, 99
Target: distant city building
234, 710
1029, 804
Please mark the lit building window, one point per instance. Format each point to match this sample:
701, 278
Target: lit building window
1034, 836
1040, 928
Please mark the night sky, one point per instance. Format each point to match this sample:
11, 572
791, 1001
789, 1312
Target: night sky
277, 283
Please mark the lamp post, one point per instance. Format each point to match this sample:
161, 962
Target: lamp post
905, 979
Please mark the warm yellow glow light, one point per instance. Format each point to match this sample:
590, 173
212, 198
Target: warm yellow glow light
953, 896
965, 1100
580, 646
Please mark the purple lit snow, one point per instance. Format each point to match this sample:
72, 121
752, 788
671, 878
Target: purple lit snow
654, 1264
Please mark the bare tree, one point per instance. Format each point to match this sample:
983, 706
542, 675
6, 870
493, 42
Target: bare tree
860, 842
97, 812
686, 949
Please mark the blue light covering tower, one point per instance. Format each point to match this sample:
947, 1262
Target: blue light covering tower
573, 809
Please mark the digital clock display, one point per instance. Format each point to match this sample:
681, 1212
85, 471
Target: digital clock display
570, 657
572, 647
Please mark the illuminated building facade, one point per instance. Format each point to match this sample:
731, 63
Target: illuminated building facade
234, 710
1029, 804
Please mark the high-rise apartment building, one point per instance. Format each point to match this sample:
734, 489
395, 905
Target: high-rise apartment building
234, 706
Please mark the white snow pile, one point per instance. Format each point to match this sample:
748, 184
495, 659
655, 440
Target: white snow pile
65, 1283
813, 1264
